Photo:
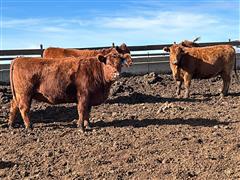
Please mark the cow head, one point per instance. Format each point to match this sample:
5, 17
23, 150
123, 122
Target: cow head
114, 59
126, 59
187, 43
176, 53
111, 74
124, 50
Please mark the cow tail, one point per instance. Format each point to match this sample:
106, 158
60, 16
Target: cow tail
235, 68
11, 80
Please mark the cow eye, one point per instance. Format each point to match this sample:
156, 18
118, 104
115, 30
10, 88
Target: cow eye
115, 55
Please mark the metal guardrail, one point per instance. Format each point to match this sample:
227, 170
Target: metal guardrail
22, 52
142, 63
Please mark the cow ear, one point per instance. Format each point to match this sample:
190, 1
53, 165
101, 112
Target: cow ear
166, 49
102, 58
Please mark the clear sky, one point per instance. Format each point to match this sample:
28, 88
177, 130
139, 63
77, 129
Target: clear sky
91, 23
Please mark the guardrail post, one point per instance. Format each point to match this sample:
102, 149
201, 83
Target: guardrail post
41, 47
148, 62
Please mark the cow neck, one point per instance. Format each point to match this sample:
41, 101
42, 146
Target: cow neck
105, 79
180, 61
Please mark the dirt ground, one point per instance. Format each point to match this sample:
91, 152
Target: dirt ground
141, 132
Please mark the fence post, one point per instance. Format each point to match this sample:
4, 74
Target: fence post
148, 62
41, 47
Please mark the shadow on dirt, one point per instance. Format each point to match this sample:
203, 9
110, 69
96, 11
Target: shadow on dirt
6, 164
148, 122
55, 114
138, 98
55, 123
209, 95
234, 94
52, 114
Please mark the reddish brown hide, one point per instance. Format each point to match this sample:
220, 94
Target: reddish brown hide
62, 80
201, 62
54, 52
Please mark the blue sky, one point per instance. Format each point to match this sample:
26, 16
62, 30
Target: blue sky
92, 23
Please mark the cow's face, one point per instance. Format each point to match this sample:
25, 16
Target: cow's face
114, 59
176, 53
125, 51
111, 74
118, 60
111, 66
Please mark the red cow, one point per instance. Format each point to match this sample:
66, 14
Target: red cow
62, 80
54, 52
201, 62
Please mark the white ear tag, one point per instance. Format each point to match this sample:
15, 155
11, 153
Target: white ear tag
124, 61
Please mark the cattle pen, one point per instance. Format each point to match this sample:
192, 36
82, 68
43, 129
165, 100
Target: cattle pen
142, 131
146, 59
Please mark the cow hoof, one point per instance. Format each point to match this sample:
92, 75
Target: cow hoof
88, 128
81, 130
30, 126
223, 94
10, 127
28, 129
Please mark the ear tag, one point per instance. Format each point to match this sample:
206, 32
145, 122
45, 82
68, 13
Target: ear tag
124, 61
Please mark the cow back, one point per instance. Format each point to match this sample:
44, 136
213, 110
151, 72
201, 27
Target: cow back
206, 62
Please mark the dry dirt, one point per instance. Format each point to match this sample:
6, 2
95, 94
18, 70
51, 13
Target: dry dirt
141, 132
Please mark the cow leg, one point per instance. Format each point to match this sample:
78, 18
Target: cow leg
13, 113
226, 82
24, 107
187, 83
87, 124
82, 111
179, 84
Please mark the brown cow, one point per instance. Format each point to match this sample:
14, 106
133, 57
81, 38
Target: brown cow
54, 52
201, 62
62, 80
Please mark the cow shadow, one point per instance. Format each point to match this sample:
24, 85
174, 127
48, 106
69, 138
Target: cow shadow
234, 94
209, 95
55, 114
51, 115
138, 98
6, 164
204, 122
206, 95
70, 114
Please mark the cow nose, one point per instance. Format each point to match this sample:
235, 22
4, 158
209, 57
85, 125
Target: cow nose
116, 75
130, 63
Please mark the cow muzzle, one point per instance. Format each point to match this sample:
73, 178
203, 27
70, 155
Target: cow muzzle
116, 75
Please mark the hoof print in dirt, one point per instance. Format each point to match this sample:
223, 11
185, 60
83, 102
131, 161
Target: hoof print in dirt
152, 78
120, 88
